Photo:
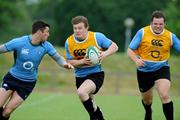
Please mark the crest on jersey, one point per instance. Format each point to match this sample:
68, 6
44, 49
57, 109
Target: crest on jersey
25, 51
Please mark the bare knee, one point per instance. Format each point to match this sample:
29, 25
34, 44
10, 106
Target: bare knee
7, 111
165, 98
147, 99
82, 95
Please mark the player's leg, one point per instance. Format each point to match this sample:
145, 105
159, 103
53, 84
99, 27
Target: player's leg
98, 80
97, 111
21, 90
86, 88
14, 102
163, 87
147, 102
146, 83
5, 94
98, 114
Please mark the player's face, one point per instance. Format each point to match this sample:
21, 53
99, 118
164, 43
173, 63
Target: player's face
45, 34
80, 31
157, 25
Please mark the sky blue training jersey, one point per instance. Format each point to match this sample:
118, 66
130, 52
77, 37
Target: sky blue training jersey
151, 65
103, 42
27, 57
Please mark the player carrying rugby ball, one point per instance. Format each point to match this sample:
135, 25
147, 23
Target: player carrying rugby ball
89, 79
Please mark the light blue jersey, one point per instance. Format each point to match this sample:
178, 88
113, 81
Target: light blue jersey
27, 57
151, 65
103, 43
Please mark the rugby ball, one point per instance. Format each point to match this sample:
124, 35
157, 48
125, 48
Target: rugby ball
92, 53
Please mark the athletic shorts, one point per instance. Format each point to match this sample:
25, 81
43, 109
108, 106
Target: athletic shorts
21, 87
97, 78
146, 80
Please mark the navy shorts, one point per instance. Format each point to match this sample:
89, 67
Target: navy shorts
21, 87
97, 78
146, 80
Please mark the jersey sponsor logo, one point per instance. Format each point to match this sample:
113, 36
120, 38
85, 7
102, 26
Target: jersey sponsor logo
155, 54
25, 51
155, 42
79, 53
28, 65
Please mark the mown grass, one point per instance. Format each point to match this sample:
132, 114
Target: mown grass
59, 106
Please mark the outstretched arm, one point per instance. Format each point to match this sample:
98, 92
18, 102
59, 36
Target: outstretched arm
3, 49
61, 61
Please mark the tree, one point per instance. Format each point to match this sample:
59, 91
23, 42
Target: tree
173, 16
105, 16
14, 19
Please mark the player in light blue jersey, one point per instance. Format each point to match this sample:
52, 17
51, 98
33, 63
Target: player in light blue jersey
20, 80
150, 51
89, 79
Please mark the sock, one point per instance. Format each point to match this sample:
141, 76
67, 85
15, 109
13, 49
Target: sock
1, 110
88, 104
168, 110
5, 118
99, 114
148, 111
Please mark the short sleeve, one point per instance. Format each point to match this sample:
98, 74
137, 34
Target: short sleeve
102, 40
49, 48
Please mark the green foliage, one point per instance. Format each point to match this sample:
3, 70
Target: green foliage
106, 16
173, 16
14, 19
8, 12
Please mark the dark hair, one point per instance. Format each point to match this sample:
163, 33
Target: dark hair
79, 19
39, 25
158, 14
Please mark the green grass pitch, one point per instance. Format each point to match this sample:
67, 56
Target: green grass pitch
58, 106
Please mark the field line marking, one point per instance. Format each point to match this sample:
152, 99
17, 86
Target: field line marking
40, 101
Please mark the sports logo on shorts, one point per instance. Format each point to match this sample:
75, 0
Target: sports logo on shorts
141, 89
5, 85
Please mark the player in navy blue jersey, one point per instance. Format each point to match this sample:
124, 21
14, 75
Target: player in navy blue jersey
20, 80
